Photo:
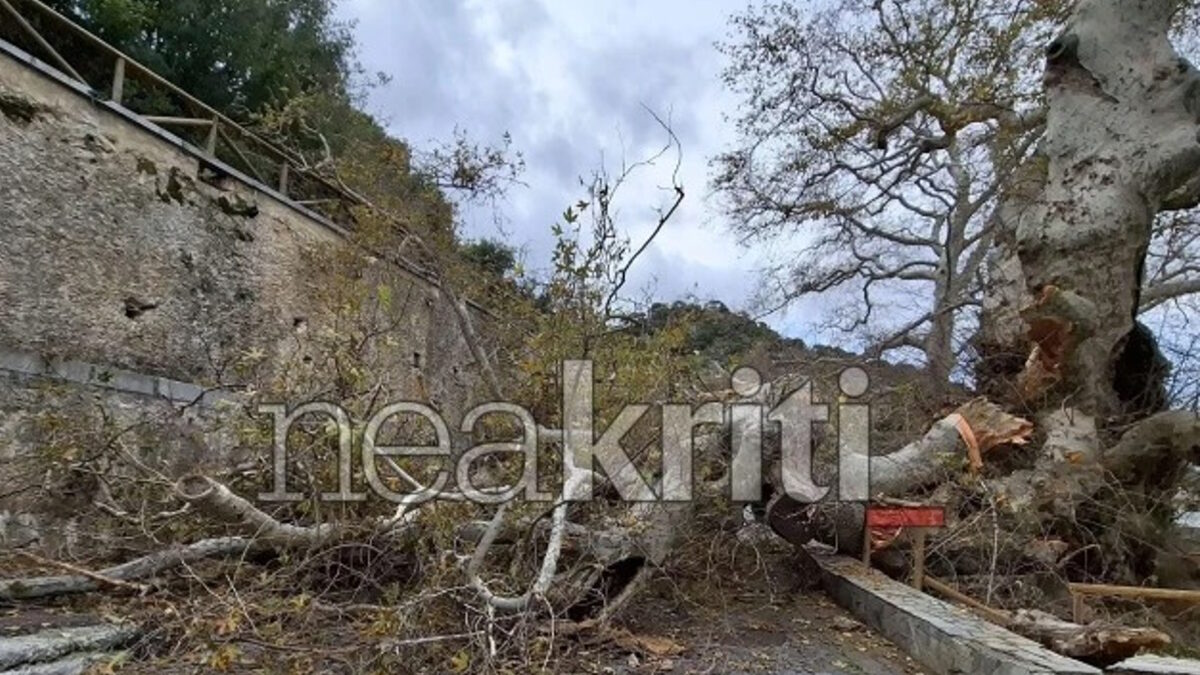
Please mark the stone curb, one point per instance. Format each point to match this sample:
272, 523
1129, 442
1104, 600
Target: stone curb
942, 637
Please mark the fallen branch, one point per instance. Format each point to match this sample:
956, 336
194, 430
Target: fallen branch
549, 568
139, 568
58, 642
1096, 643
75, 664
209, 496
218, 500
94, 576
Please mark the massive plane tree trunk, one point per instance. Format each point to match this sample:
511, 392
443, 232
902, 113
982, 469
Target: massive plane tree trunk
1120, 144
1059, 337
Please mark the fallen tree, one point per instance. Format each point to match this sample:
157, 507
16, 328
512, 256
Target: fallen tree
1122, 143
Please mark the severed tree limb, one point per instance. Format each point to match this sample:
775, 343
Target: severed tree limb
1150, 458
218, 500
922, 462
927, 460
1097, 643
94, 576
214, 498
549, 567
139, 568
55, 643
930, 460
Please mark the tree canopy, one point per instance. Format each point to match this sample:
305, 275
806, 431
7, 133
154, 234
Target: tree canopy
875, 139
232, 54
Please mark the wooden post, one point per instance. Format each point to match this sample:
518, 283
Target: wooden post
918, 571
118, 83
942, 588
1136, 592
210, 145
1077, 608
866, 544
283, 178
37, 37
242, 156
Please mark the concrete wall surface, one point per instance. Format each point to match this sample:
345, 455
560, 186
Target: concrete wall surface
124, 249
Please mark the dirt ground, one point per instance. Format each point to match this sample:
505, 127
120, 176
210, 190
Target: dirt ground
757, 613
803, 634
775, 621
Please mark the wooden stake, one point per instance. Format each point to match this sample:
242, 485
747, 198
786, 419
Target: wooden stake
210, 145
947, 591
118, 84
37, 37
1137, 592
918, 573
866, 556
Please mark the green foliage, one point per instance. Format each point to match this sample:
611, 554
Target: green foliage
232, 54
286, 70
713, 331
494, 257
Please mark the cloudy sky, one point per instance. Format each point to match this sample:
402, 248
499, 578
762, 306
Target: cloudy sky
569, 81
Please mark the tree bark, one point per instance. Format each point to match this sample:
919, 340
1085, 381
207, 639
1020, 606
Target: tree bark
1098, 644
1121, 138
139, 568
939, 343
49, 645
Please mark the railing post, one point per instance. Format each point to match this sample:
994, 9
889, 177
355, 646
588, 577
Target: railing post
210, 145
118, 83
283, 178
37, 37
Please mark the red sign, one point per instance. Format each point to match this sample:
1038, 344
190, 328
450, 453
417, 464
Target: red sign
906, 516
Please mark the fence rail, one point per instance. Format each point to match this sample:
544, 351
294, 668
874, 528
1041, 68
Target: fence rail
284, 170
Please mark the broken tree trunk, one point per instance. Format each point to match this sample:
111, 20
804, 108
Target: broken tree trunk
1099, 643
1120, 145
216, 499
938, 456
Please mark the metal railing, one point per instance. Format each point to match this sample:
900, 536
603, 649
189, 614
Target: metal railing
287, 171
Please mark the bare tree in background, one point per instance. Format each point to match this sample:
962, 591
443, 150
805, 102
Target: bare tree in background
1170, 301
877, 136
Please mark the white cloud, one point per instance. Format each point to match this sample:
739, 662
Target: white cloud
568, 81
